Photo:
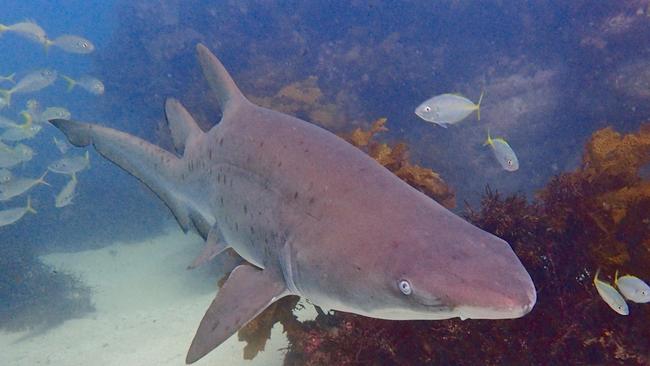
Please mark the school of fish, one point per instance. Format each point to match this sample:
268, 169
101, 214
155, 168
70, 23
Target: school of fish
17, 132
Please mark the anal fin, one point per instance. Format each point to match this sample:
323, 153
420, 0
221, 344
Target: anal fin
214, 245
246, 293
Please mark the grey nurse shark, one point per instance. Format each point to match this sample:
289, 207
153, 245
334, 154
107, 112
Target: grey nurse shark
313, 216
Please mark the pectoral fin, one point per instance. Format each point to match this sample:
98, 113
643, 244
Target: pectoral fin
246, 293
214, 245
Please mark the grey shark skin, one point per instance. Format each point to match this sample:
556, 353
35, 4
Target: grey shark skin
313, 216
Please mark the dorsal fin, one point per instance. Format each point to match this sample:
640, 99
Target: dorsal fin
225, 89
183, 127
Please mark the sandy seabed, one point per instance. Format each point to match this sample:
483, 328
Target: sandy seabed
147, 310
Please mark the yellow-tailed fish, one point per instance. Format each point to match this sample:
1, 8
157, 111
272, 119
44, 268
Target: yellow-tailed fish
8, 158
88, 83
25, 131
8, 217
72, 44
633, 288
611, 296
32, 82
27, 29
447, 109
7, 123
70, 165
18, 186
9, 78
503, 153
54, 113
5, 175
66, 195
61, 145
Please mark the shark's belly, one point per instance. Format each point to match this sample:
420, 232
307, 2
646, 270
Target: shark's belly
248, 214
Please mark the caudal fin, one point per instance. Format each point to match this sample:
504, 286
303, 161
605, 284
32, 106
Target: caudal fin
29, 207
153, 166
71, 82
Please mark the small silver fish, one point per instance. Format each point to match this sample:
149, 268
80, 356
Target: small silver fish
5, 175
21, 132
54, 113
66, 195
70, 165
28, 29
447, 109
8, 158
611, 296
633, 288
72, 44
25, 152
8, 217
18, 186
7, 123
503, 153
88, 83
32, 82
9, 78
61, 145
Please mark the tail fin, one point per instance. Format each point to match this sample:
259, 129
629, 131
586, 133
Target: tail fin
478, 106
41, 180
29, 207
488, 141
9, 78
71, 82
153, 166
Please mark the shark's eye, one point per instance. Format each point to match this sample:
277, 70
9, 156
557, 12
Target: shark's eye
405, 287
427, 109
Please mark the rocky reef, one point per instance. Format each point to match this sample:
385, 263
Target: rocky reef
593, 217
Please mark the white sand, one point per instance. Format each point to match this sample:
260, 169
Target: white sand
148, 308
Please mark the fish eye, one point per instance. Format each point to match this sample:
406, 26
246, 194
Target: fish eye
83, 44
427, 109
509, 161
405, 287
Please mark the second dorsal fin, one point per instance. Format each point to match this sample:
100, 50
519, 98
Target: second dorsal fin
183, 127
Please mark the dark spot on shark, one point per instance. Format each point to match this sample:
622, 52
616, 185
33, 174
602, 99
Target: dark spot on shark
221, 200
245, 209
215, 325
311, 200
252, 230
279, 164
210, 154
295, 195
261, 143
306, 150
259, 213
236, 226
221, 142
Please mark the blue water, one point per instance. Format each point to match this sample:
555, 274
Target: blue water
552, 75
